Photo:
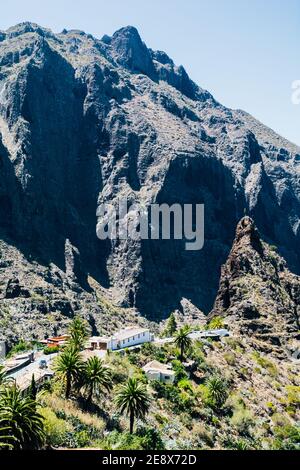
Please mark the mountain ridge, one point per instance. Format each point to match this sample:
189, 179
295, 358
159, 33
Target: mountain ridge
135, 125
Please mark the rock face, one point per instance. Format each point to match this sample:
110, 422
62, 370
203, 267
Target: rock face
85, 121
258, 296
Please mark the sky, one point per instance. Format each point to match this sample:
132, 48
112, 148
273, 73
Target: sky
245, 52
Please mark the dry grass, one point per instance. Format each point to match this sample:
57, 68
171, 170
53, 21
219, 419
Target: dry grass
70, 408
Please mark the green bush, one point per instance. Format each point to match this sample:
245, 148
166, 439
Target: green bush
230, 358
179, 370
215, 323
266, 364
293, 396
122, 441
151, 439
48, 350
56, 429
21, 346
82, 438
238, 444
181, 400
242, 419
186, 385
287, 438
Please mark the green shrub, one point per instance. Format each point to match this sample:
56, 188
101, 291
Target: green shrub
237, 444
148, 349
203, 434
198, 356
242, 419
186, 385
49, 350
230, 358
280, 420
179, 370
151, 439
21, 346
215, 323
122, 441
133, 358
181, 400
293, 396
160, 418
82, 438
266, 364
287, 438
56, 429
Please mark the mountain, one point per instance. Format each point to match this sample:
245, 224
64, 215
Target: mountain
85, 121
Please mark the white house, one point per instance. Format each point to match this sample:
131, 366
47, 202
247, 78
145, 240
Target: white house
130, 336
155, 370
98, 342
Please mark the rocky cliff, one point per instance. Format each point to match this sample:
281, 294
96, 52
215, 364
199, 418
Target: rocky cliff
258, 296
85, 121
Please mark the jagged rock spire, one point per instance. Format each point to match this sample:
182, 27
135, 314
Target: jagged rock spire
258, 296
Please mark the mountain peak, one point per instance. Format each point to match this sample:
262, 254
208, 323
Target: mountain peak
130, 51
28, 27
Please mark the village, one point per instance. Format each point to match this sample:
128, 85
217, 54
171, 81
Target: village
179, 386
38, 363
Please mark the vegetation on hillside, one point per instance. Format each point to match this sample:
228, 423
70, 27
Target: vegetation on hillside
225, 395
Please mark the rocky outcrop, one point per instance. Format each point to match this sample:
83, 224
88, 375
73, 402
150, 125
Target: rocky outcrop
73, 265
258, 296
85, 121
14, 290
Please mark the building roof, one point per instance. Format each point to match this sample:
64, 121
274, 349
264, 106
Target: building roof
158, 366
129, 332
98, 339
58, 338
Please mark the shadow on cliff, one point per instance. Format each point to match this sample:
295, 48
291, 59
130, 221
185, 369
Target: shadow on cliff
56, 195
273, 223
169, 271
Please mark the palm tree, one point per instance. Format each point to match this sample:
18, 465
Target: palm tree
183, 341
22, 425
69, 366
217, 391
78, 332
133, 399
96, 378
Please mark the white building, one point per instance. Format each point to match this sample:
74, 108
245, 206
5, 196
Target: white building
155, 370
126, 338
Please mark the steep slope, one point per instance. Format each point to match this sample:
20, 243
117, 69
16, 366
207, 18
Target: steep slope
258, 296
85, 121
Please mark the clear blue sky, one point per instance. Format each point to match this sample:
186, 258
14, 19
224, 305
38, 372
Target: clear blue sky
246, 52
